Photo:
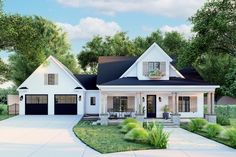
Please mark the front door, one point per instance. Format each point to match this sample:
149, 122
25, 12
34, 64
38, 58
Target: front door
151, 106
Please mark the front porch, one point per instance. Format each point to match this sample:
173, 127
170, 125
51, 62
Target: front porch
120, 105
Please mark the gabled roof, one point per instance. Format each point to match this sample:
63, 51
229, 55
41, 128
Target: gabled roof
153, 46
111, 68
88, 81
60, 65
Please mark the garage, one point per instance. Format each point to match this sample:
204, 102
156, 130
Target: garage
36, 104
65, 104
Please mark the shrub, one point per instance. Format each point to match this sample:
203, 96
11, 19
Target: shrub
1, 110
158, 137
197, 124
129, 120
231, 135
126, 128
137, 134
148, 125
213, 130
223, 120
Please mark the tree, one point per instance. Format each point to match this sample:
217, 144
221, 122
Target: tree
215, 25
4, 71
33, 39
117, 45
229, 87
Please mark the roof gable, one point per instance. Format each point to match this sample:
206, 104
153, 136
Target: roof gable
155, 47
54, 61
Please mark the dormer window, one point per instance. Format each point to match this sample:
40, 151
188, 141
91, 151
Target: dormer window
154, 70
51, 79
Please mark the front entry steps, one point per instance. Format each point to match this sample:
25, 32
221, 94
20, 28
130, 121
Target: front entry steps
167, 123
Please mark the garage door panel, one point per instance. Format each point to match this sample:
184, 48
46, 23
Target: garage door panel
36, 104
65, 104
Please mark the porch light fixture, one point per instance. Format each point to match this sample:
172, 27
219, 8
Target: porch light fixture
21, 97
143, 99
79, 97
159, 99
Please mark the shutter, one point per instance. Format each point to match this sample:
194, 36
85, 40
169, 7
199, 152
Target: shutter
163, 67
45, 79
56, 79
145, 68
193, 104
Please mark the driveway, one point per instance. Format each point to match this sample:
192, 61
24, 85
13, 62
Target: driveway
42, 136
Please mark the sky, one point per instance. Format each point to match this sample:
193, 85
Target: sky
83, 19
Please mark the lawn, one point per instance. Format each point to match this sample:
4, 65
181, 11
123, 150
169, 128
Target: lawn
220, 138
105, 139
4, 112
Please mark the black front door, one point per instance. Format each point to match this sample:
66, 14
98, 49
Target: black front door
65, 104
151, 106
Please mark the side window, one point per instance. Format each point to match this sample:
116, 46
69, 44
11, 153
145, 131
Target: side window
92, 101
50, 79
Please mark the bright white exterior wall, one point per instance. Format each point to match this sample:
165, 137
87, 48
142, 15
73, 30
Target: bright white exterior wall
90, 109
66, 85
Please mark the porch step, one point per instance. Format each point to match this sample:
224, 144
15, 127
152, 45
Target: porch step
91, 117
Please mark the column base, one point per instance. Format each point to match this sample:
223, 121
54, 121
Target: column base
140, 117
210, 118
175, 119
103, 119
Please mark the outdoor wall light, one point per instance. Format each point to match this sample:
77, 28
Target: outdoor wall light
21, 97
80, 98
143, 99
159, 99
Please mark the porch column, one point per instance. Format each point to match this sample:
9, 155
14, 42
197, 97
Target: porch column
213, 103
104, 103
209, 102
175, 102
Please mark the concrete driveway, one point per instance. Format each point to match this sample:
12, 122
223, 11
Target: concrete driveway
46, 136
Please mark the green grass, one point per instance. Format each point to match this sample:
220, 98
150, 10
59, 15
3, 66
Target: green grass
4, 114
105, 139
220, 138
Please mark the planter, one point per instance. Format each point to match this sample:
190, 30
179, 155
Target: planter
210, 118
155, 77
165, 115
140, 117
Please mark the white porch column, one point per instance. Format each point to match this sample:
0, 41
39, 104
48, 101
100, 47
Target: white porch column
209, 102
104, 103
213, 103
173, 101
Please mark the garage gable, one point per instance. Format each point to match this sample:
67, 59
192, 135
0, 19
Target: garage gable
51, 75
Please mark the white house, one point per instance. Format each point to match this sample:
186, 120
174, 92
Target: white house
122, 87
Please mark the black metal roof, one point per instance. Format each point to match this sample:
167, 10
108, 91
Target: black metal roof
88, 81
133, 81
109, 71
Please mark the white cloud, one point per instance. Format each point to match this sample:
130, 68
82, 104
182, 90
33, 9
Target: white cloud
184, 29
170, 8
89, 27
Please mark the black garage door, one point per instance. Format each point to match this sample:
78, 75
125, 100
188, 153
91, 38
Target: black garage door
36, 104
65, 104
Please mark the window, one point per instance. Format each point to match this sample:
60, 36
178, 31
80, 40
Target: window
36, 99
92, 101
184, 104
51, 79
152, 66
120, 104
65, 99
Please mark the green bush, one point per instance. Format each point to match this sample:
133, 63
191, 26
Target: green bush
223, 120
196, 124
137, 134
1, 110
231, 135
157, 137
126, 128
129, 120
213, 130
148, 125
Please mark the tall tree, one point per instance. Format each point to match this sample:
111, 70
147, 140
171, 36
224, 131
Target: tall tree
215, 25
32, 39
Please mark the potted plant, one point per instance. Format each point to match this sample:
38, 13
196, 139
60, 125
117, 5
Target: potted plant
155, 74
165, 112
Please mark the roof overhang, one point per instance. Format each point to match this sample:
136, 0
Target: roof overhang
170, 88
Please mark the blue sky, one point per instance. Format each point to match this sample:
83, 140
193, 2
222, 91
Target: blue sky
82, 19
